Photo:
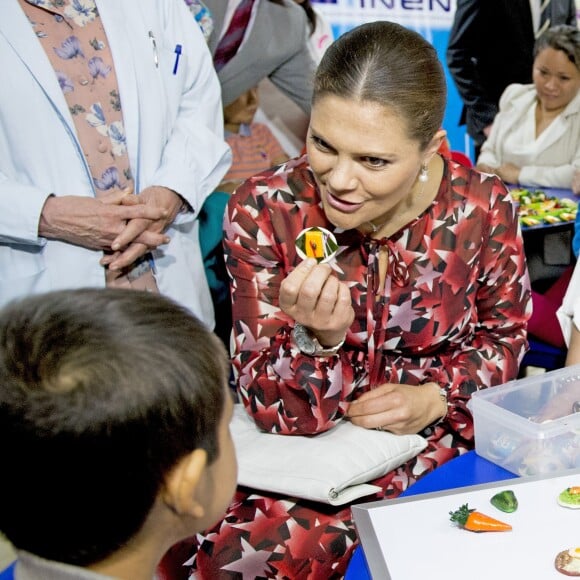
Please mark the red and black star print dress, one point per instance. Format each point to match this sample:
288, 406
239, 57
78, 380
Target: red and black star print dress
453, 310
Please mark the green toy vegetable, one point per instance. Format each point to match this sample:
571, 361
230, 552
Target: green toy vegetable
505, 501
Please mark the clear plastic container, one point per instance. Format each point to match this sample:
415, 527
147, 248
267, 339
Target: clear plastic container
530, 426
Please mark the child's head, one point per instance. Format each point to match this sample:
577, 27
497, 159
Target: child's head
113, 407
241, 111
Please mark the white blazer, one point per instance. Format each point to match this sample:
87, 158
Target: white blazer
552, 163
174, 131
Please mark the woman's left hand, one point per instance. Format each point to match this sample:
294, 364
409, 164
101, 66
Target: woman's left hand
400, 409
509, 173
484, 168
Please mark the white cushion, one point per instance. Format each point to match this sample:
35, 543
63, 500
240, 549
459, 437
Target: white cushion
331, 467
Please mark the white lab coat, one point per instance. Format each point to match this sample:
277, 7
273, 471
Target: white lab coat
174, 129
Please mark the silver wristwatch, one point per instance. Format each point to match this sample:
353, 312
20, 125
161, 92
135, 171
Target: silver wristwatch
309, 344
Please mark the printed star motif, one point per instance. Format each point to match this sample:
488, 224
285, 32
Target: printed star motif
428, 275
436, 225
287, 567
321, 420
287, 423
392, 343
252, 342
269, 413
261, 526
493, 276
252, 564
485, 374
283, 368
402, 316
334, 375
307, 541
456, 273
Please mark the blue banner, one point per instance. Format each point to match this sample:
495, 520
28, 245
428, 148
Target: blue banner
430, 18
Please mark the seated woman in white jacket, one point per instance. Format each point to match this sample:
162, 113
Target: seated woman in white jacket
535, 138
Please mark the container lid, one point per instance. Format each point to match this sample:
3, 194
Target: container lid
541, 399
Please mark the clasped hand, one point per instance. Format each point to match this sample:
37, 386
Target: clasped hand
126, 224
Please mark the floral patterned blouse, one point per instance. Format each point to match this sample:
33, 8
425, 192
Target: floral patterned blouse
74, 39
453, 311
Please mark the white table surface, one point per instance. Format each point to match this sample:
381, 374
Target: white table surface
413, 538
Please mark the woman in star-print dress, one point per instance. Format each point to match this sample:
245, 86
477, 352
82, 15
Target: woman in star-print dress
428, 289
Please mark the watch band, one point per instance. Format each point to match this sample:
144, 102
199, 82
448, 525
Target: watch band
309, 344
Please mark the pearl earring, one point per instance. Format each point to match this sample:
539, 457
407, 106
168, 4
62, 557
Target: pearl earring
424, 174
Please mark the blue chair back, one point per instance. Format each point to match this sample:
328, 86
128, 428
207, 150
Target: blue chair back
544, 355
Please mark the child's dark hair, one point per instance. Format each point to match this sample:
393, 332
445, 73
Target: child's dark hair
102, 392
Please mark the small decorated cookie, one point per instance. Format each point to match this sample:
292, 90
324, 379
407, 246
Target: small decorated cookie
570, 497
567, 562
316, 243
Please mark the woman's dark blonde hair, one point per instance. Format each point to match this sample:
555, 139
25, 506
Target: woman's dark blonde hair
385, 63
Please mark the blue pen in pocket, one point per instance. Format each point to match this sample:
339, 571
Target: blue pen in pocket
177, 55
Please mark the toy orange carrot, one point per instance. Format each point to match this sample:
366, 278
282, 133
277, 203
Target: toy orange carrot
474, 521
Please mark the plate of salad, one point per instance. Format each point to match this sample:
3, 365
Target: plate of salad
536, 207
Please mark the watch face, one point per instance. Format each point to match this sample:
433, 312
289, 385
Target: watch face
303, 340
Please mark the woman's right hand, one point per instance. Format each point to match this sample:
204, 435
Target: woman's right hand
314, 297
398, 408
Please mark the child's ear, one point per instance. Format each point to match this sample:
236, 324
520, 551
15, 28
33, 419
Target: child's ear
182, 485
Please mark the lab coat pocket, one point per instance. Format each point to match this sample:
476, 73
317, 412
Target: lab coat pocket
172, 67
21, 271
